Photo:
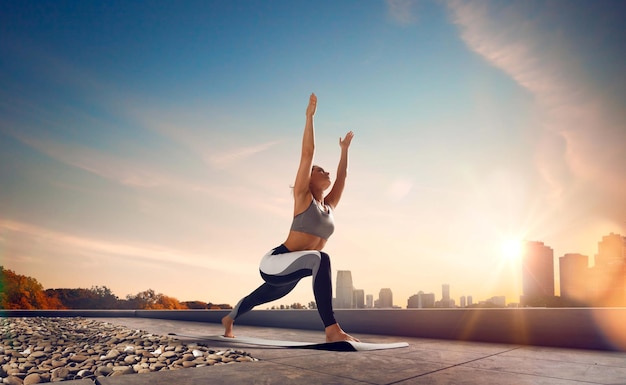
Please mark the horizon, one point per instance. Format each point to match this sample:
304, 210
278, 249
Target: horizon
476, 301
152, 145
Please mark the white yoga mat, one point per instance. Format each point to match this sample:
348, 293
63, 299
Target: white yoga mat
334, 346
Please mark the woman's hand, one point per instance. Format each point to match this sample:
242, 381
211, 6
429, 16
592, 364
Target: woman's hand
310, 110
345, 142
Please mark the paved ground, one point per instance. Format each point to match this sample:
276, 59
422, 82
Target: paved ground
425, 361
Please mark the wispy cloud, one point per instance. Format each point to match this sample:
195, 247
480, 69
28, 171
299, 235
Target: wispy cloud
580, 142
225, 158
100, 163
77, 247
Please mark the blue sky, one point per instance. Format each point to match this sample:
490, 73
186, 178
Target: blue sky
152, 144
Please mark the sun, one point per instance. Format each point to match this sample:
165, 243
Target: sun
511, 249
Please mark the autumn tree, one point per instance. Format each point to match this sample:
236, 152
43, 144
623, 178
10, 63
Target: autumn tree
150, 300
195, 304
21, 292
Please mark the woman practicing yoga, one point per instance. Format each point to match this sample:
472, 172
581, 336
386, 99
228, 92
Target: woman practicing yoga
301, 254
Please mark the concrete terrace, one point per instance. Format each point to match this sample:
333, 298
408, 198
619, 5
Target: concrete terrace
427, 360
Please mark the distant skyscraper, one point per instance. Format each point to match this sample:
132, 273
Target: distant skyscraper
470, 300
609, 272
369, 301
421, 301
611, 251
344, 289
574, 275
537, 274
358, 298
463, 303
445, 297
385, 298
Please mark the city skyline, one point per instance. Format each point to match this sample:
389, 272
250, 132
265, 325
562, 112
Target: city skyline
152, 145
540, 278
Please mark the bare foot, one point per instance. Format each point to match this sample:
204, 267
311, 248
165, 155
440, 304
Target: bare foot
334, 333
228, 326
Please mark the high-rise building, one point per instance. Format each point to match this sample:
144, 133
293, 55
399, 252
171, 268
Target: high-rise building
609, 272
344, 290
421, 300
358, 298
574, 275
463, 301
470, 301
445, 297
369, 301
385, 298
611, 251
537, 274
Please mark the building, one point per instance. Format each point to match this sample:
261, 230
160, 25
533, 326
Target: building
537, 274
446, 301
574, 275
421, 301
344, 290
463, 301
369, 301
498, 301
385, 298
608, 275
470, 301
358, 298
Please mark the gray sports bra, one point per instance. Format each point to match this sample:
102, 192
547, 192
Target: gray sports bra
315, 221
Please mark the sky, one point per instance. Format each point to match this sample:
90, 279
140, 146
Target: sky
152, 145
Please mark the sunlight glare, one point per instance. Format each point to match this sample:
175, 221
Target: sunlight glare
511, 249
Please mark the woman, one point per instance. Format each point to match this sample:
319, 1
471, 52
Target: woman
301, 254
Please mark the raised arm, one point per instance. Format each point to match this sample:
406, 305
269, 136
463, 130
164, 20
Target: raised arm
333, 197
303, 177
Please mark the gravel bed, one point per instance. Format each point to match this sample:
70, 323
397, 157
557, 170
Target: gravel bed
39, 349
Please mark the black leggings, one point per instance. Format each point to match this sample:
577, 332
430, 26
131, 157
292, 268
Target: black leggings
281, 270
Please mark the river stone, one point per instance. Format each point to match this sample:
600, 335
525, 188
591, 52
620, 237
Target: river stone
78, 358
32, 379
49, 349
60, 373
12, 380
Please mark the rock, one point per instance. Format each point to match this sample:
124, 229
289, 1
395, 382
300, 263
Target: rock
188, 357
123, 369
48, 349
103, 371
12, 380
32, 379
36, 355
130, 360
78, 358
58, 363
60, 373
113, 353
84, 374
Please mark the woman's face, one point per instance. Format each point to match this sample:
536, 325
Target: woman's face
320, 178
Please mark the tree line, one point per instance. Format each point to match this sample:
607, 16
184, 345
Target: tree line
22, 292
